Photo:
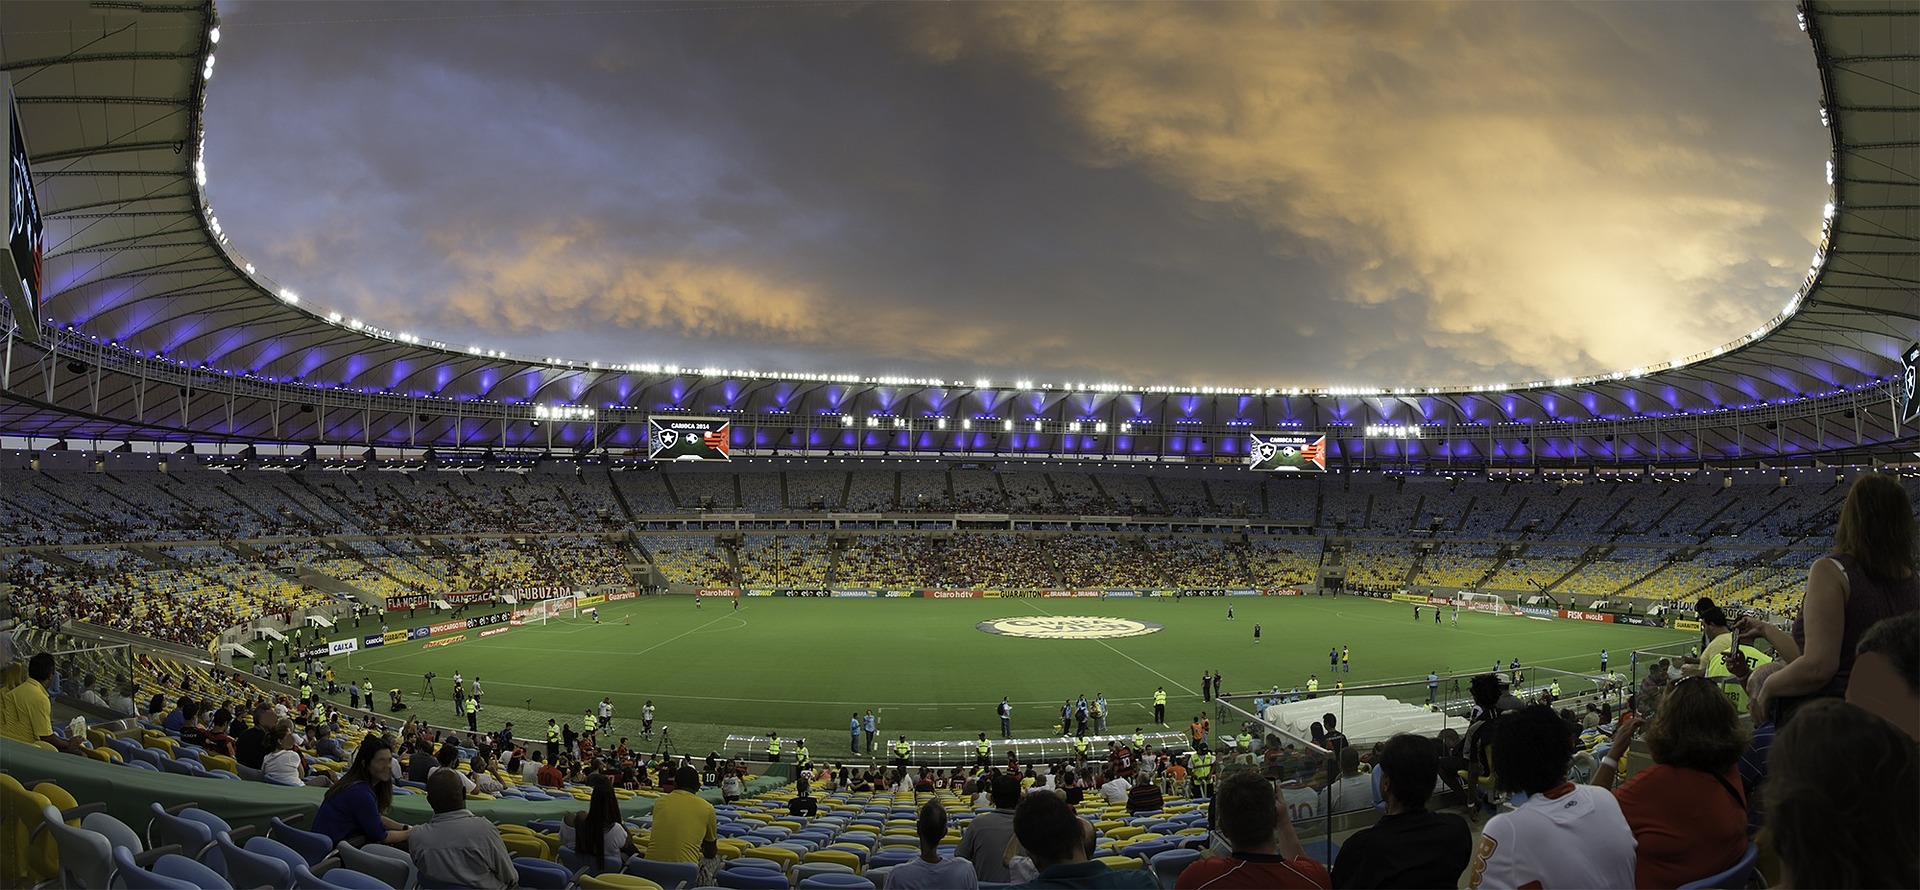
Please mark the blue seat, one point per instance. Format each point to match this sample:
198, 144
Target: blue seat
312, 846
834, 881
141, 764
751, 879
193, 836
666, 874
1148, 850
247, 868
886, 858
191, 873
575, 862
1167, 866
539, 874
338, 879
1733, 878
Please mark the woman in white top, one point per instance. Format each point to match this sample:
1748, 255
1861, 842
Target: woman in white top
283, 764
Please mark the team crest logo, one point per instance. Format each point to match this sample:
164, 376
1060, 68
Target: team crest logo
667, 438
1068, 627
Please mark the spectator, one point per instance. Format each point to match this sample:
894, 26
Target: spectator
1868, 578
1061, 845
1114, 789
685, 828
283, 765
1886, 672
1266, 851
422, 763
251, 745
215, 740
1688, 814
448, 761
325, 745
26, 711
1409, 846
984, 838
480, 769
355, 807
1145, 796
457, 848
550, 776
1351, 790
803, 802
1562, 835
931, 871
1843, 800
597, 833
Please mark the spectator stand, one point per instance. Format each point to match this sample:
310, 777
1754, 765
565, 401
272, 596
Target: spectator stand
948, 753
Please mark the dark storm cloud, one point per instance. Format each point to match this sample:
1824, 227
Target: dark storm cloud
1184, 193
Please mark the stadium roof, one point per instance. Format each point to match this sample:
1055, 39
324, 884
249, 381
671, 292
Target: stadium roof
154, 330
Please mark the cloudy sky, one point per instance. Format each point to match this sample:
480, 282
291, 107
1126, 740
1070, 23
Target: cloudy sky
1243, 193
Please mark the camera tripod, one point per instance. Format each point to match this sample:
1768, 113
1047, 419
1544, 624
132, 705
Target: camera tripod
426, 688
665, 747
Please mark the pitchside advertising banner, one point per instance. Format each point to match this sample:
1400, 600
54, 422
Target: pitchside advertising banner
718, 591
1287, 453
689, 438
1585, 616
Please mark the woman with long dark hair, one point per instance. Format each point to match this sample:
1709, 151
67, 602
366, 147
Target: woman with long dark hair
1870, 576
355, 807
597, 833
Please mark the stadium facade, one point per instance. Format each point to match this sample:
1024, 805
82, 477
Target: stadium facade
152, 329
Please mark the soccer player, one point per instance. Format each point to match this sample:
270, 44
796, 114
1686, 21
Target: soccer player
1416, 613
1256, 633
1229, 611
1603, 661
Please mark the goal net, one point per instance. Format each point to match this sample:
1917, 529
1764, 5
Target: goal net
1490, 603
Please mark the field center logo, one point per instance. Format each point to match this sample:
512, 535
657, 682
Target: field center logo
1068, 627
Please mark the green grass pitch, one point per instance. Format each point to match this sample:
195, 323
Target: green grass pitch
802, 666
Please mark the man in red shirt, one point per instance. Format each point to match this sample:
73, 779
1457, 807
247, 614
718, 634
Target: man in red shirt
1266, 852
550, 776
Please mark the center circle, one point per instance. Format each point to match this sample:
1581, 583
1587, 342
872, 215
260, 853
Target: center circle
1068, 627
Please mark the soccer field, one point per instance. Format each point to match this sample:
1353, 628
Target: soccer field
802, 666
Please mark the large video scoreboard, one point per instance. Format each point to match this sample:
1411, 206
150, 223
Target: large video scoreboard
689, 438
1287, 453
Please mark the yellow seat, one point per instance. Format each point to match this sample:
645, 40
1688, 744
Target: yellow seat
615, 881
529, 845
787, 824
28, 860
1121, 863
220, 761
838, 857
787, 858
732, 847
1123, 832
104, 755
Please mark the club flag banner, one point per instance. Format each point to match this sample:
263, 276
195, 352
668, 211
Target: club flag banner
470, 596
1287, 453
408, 601
689, 438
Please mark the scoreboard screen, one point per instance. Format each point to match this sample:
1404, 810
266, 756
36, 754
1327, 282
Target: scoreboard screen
1910, 385
1287, 453
689, 438
20, 269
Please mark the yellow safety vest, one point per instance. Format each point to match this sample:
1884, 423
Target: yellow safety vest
473, 708
553, 733
800, 756
1139, 741
1246, 741
1160, 697
590, 723
983, 747
773, 745
902, 749
1080, 745
1202, 765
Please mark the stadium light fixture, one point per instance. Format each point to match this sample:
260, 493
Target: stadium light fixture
966, 424
1007, 426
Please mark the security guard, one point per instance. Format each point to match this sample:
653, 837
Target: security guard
1160, 706
800, 756
1139, 739
590, 722
473, 714
773, 746
1202, 763
1080, 751
553, 741
981, 750
306, 692
902, 753
1246, 744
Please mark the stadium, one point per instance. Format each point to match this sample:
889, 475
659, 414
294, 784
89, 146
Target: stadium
213, 491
